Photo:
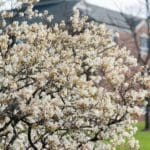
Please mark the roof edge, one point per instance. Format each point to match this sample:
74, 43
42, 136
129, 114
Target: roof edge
46, 2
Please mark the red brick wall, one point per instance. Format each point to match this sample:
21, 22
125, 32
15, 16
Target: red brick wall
126, 39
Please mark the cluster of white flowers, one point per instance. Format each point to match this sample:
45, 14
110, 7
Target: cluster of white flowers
66, 87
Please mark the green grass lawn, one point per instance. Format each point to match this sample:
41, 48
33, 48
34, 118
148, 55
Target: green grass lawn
143, 137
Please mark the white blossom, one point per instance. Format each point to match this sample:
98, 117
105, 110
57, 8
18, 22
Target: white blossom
66, 87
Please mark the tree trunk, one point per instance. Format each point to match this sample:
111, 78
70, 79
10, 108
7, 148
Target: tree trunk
147, 115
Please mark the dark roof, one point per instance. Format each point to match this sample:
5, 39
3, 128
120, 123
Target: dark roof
44, 2
62, 10
133, 21
111, 17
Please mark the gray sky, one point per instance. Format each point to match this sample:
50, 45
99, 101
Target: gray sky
134, 7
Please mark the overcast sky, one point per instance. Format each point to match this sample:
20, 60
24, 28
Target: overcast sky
134, 7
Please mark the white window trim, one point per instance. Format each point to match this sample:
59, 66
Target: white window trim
144, 49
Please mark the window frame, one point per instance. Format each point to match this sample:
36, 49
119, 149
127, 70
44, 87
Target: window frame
144, 45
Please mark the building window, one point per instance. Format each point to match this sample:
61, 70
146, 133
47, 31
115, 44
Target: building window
144, 44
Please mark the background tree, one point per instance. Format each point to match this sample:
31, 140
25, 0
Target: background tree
131, 21
134, 33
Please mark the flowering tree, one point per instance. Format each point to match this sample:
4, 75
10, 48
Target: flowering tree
65, 87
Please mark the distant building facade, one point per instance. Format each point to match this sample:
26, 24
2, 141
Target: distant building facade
133, 31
